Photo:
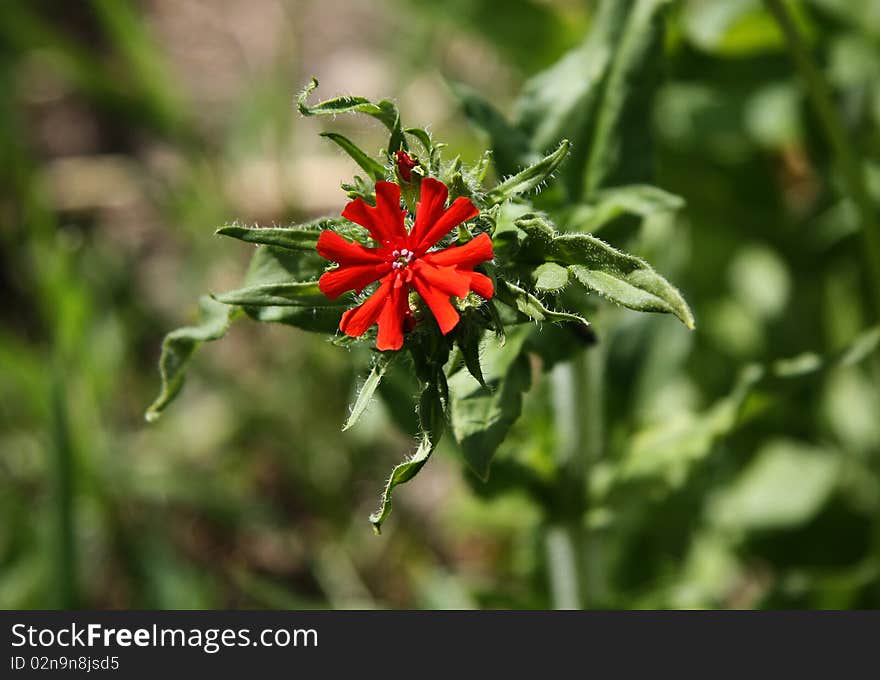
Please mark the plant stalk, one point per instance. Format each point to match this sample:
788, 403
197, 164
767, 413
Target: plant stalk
62, 455
572, 552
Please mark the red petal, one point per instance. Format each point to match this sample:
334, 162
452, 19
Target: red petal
356, 321
438, 302
388, 211
333, 247
391, 319
432, 200
335, 282
360, 213
482, 285
466, 256
447, 279
461, 209
385, 221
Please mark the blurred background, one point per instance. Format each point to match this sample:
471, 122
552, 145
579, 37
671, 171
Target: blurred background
130, 130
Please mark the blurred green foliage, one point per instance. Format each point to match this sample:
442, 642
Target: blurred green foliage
129, 132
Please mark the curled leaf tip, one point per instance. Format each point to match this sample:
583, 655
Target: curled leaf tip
304, 95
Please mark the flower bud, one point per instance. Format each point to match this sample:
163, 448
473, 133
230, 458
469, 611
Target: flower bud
405, 165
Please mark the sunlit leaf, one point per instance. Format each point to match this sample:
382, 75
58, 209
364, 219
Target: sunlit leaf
550, 277
301, 294
528, 179
784, 486
303, 237
619, 277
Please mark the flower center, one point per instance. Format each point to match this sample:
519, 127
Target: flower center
402, 258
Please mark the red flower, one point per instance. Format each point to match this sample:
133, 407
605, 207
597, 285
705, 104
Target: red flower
405, 165
403, 261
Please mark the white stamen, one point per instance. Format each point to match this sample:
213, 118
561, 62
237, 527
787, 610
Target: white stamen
404, 252
395, 253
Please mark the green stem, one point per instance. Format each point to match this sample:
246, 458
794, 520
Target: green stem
62, 455
846, 157
572, 553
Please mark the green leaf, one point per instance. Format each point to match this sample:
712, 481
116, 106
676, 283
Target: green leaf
636, 287
300, 294
529, 178
510, 147
384, 111
303, 237
482, 416
763, 496
668, 450
620, 149
619, 277
313, 319
809, 363
365, 394
468, 338
401, 474
641, 200
550, 277
597, 96
526, 303
179, 346
423, 137
432, 421
559, 101
369, 165
271, 264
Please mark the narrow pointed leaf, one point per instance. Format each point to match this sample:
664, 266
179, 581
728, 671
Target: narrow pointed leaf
338, 105
510, 147
283, 237
369, 165
423, 137
179, 346
529, 178
384, 111
401, 474
313, 319
468, 341
299, 294
432, 420
365, 394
